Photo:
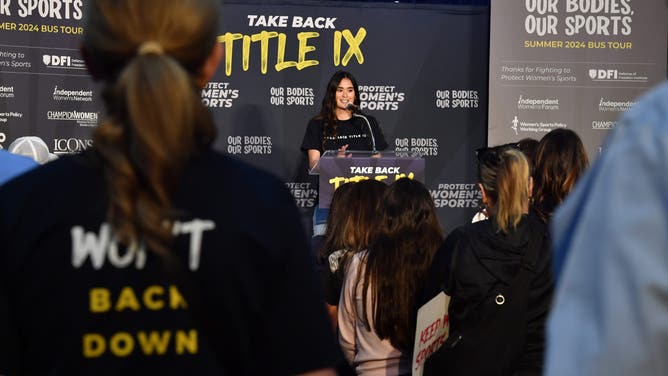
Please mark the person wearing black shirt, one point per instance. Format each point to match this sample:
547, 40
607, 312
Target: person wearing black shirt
151, 253
335, 127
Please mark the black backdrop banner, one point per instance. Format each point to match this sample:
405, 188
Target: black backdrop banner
422, 72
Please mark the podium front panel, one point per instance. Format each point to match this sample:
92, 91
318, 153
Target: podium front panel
335, 171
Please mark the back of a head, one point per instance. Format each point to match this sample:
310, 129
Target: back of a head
504, 173
399, 259
149, 54
560, 160
363, 219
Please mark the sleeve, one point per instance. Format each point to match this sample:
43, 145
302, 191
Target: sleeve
381, 144
610, 315
300, 337
313, 136
347, 319
439, 275
540, 297
9, 339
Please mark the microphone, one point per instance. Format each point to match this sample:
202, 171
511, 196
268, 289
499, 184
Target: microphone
352, 107
358, 113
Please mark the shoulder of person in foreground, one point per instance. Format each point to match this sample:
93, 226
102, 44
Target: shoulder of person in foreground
12, 165
610, 313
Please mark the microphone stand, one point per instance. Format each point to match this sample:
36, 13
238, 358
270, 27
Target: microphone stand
358, 113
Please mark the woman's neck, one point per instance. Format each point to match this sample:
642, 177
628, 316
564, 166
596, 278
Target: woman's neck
342, 114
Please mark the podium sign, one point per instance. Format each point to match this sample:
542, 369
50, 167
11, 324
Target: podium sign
337, 168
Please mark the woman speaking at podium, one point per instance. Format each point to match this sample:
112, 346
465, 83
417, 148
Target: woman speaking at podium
340, 125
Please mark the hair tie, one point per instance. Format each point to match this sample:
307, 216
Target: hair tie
150, 47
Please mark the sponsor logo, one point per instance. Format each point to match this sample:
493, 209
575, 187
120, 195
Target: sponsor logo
456, 195
535, 127
70, 145
380, 97
219, 95
6, 91
599, 74
423, 147
514, 125
5, 116
304, 194
63, 61
3, 138
541, 104
611, 105
603, 124
84, 119
60, 94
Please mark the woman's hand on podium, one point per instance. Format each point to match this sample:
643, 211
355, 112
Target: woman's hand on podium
342, 152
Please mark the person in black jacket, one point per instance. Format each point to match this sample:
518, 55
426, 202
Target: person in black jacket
497, 272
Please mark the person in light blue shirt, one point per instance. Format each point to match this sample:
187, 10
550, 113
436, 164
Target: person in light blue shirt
12, 165
610, 239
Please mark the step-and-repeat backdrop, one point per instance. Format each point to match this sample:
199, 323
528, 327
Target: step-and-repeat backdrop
422, 72
574, 64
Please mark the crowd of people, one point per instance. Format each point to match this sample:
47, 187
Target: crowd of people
148, 260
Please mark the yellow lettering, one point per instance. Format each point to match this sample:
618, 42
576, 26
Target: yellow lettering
245, 53
99, 300
337, 181
380, 177
357, 178
121, 344
399, 176
280, 59
154, 342
264, 37
303, 38
176, 300
150, 300
354, 43
93, 345
228, 39
337, 48
186, 341
127, 299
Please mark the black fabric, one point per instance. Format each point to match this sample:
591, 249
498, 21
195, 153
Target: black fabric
261, 303
476, 264
353, 132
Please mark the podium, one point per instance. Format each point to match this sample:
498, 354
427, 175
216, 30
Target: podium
339, 167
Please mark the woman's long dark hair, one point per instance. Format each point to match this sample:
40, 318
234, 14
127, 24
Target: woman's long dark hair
353, 218
398, 260
328, 109
560, 160
156, 120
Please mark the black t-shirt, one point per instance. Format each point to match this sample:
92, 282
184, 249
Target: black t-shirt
246, 300
353, 132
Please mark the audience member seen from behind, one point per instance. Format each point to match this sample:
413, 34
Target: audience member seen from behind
610, 315
377, 311
157, 255
528, 147
479, 266
352, 223
560, 160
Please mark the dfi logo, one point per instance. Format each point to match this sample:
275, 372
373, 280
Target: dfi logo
55, 60
603, 74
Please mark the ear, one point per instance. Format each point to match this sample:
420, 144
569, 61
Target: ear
210, 65
485, 199
95, 70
